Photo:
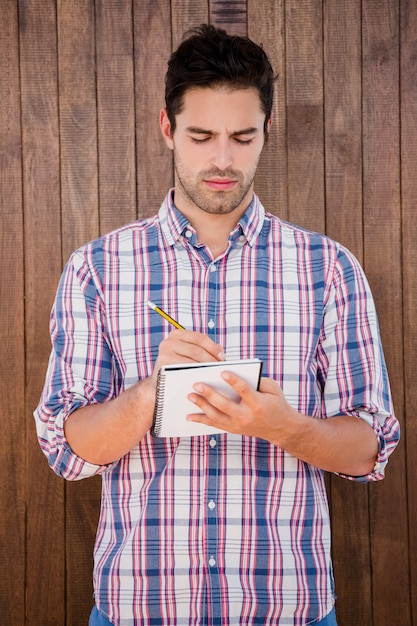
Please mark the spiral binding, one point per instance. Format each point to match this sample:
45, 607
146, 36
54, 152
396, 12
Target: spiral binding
159, 405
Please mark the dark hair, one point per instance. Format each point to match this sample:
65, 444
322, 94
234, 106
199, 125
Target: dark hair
210, 57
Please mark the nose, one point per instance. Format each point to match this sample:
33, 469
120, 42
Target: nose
222, 155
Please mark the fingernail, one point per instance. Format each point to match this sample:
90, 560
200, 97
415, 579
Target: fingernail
221, 356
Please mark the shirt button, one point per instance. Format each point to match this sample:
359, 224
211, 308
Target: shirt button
211, 324
213, 268
188, 234
211, 505
212, 443
212, 561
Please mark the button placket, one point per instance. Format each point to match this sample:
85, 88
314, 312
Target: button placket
212, 490
211, 312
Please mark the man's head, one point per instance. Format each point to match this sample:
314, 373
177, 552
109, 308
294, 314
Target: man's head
209, 57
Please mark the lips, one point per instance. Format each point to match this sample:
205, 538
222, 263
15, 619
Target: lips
220, 184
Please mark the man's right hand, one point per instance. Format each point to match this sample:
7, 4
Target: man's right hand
186, 346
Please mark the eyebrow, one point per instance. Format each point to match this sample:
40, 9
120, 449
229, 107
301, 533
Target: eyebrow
196, 130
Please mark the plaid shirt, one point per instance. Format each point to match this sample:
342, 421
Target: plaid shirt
216, 529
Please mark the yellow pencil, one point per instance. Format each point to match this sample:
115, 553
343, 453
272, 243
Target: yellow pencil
162, 313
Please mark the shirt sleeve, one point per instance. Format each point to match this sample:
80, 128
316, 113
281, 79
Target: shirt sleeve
351, 361
80, 367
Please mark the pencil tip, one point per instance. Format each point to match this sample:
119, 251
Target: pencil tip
151, 305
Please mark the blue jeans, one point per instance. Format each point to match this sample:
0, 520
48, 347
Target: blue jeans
97, 619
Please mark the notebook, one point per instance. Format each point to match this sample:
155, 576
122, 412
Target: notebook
175, 382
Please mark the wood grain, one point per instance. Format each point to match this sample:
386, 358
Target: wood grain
267, 27
304, 78
343, 123
186, 14
12, 362
116, 114
382, 261
152, 35
408, 65
230, 15
78, 124
43, 263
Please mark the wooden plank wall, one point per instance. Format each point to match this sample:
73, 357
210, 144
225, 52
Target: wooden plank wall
81, 86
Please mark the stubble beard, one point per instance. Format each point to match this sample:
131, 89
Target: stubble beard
213, 202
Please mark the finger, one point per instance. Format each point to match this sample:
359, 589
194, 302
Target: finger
212, 416
210, 401
220, 422
240, 386
193, 346
208, 414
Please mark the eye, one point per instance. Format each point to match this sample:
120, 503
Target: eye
244, 142
199, 140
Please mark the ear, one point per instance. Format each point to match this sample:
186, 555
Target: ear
165, 126
267, 130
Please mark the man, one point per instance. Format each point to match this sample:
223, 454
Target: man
231, 528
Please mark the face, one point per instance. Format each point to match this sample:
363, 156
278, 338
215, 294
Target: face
217, 143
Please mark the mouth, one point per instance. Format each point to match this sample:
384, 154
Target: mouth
220, 184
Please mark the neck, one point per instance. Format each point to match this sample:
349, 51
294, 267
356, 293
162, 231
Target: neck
213, 229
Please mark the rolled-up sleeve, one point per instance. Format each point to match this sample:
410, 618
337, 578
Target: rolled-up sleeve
80, 366
352, 363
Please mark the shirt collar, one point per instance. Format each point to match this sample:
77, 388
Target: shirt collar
174, 224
